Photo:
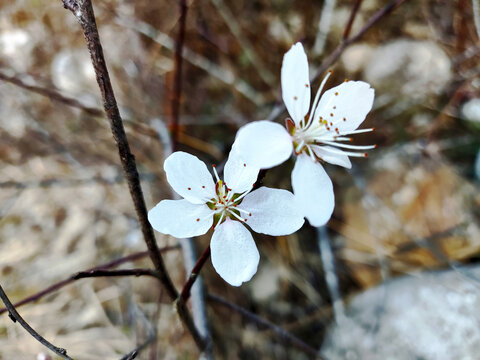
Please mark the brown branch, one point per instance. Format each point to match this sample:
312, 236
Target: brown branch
83, 11
15, 316
333, 57
177, 85
185, 294
115, 273
61, 284
353, 14
282, 333
52, 94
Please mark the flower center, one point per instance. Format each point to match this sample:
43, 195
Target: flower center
225, 204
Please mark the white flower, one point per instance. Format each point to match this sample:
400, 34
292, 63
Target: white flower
313, 137
227, 206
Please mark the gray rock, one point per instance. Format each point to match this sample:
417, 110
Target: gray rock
428, 316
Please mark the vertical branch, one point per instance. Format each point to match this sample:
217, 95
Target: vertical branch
177, 84
15, 316
353, 14
83, 11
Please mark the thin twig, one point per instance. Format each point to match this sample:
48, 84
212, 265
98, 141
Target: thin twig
353, 14
83, 11
115, 273
177, 70
69, 280
185, 294
333, 57
15, 316
282, 333
52, 94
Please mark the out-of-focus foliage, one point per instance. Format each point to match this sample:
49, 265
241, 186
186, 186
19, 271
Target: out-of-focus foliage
412, 205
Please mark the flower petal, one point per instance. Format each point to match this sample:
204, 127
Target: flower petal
189, 177
181, 218
263, 144
346, 105
296, 82
336, 156
273, 211
234, 254
313, 189
238, 174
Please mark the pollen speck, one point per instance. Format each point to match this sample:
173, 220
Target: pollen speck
306, 85
295, 98
198, 219
334, 107
336, 94
189, 188
344, 119
203, 186
244, 165
346, 80
331, 114
250, 214
375, 146
366, 155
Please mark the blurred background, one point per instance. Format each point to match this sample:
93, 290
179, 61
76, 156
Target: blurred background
394, 275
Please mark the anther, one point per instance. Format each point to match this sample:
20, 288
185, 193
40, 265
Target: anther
336, 94
365, 154
330, 71
346, 80
344, 119
244, 165
331, 114
203, 187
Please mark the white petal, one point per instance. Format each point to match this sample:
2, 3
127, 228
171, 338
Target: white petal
338, 157
263, 144
274, 211
296, 82
313, 189
238, 174
189, 177
181, 218
234, 254
353, 101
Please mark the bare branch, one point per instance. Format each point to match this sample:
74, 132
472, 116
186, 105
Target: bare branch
83, 11
282, 333
15, 316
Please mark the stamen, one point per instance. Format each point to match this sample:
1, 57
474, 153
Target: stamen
346, 146
299, 146
317, 97
244, 194
221, 218
237, 216
359, 131
215, 172
243, 211
341, 152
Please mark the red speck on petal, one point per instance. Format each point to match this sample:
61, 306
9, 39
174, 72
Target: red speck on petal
295, 98
244, 165
331, 114
250, 214
198, 219
344, 119
189, 188
306, 85
336, 94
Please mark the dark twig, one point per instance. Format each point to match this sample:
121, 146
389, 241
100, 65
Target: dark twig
353, 14
52, 94
333, 57
185, 294
15, 316
83, 11
115, 273
177, 84
61, 284
282, 333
